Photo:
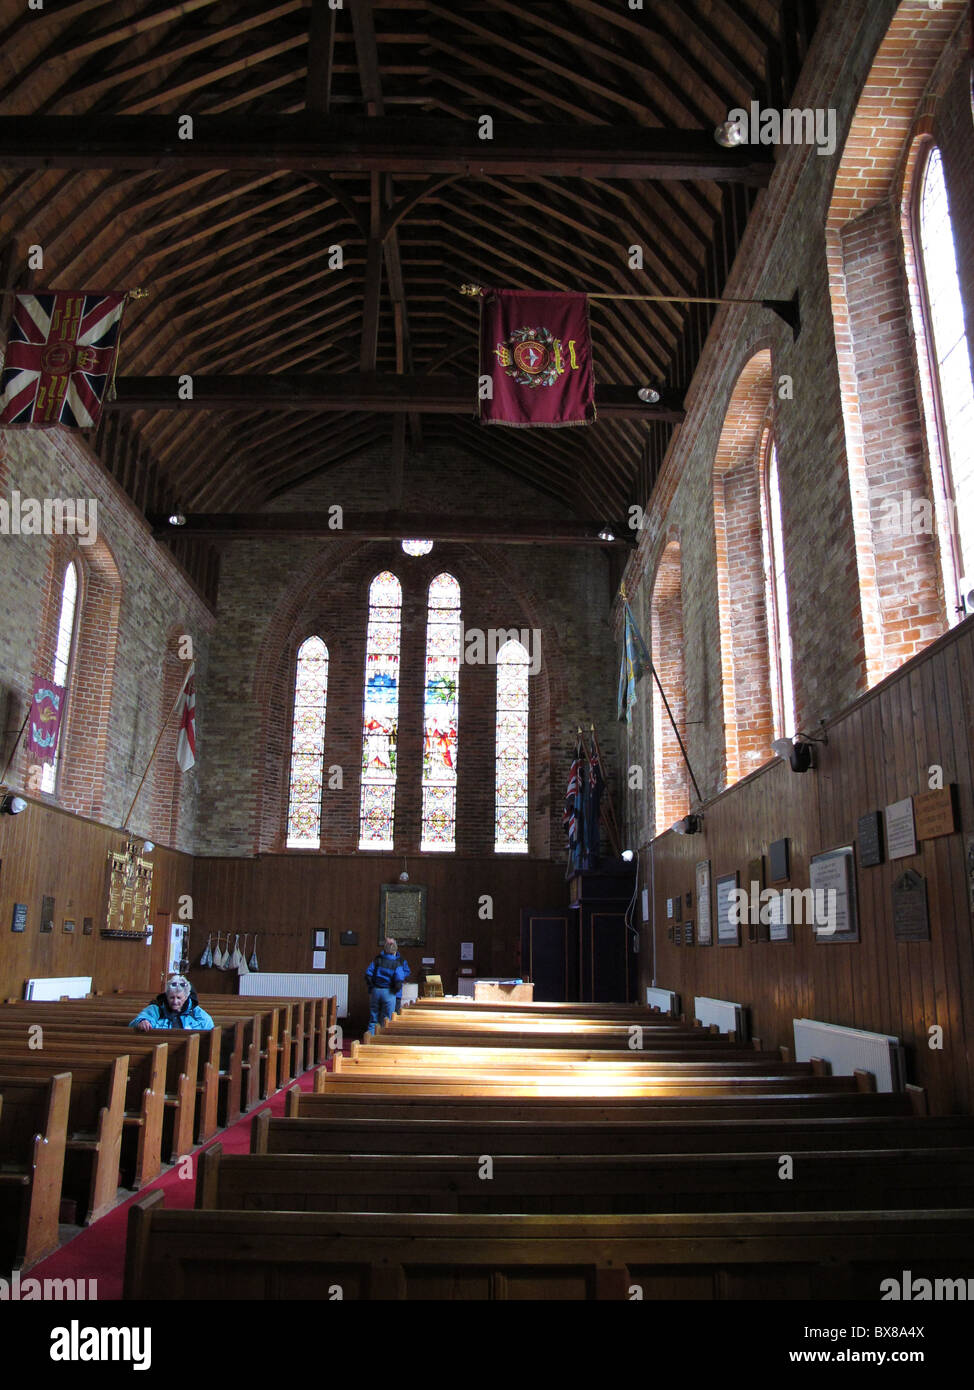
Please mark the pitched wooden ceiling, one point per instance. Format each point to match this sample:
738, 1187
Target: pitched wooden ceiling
235, 259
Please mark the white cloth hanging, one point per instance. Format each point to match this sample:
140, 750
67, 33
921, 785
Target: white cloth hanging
206, 959
253, 958
243, 968
235, 958
219, 959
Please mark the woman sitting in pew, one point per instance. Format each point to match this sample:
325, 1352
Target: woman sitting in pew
177, 1008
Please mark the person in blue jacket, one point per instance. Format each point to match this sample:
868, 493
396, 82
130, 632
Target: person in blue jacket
384, 978
177, 1008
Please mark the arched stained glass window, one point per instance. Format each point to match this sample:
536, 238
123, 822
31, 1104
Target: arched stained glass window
440, 710
511, 775
380, 732
307, 746
950, 362
62, 662
776, 597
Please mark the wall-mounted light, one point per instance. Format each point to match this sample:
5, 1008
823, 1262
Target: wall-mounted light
689, 825
148, 847
799, 752
12, 805
627, 855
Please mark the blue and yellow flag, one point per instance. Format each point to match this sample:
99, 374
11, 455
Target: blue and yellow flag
635, 663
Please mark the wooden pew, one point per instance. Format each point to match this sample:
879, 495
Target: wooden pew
284, 1255
576, 1184
33, 1134
632, 1134
116, 1011
144, 1101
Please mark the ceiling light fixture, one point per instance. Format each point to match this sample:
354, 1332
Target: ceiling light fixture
12, 805
648, 395
177, 519
730, 134
606, 535
627, 855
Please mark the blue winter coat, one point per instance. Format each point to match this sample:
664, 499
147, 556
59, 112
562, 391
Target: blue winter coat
386, 972
160, 1015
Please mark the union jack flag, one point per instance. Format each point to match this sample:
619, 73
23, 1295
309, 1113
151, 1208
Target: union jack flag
60, 358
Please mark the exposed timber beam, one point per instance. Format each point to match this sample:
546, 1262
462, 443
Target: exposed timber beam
377, 144
433, 394
385, 526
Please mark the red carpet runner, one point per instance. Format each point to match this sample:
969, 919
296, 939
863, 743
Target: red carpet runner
98, 1252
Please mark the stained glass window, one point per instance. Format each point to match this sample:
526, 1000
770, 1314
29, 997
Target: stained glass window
62, 662
440, 706
511, 776
950, 357
380, 731
308, 746
417, 547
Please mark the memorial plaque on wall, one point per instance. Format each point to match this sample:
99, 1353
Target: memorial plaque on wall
87, 926
728, 923
402, 913
936, 812
704, 936
19, 920
900, 831
911, 920
669, 936
688, 933
47, 914
779, 861
869, 833
834, 917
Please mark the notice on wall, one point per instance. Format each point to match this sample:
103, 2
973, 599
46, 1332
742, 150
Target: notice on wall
779, 921
466, 950
704, 936
900, 830
318, 960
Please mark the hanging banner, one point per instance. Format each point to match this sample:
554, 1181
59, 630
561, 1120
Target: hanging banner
536, 350
46, 713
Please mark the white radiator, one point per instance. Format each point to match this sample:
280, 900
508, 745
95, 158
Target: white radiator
848, 1050
728, 1017
72, 986
316, 986
663, 999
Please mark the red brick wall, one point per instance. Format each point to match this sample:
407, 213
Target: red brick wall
274, 595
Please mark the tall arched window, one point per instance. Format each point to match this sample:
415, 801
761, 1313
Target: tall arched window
951, 431
776, 599
61, 666
380, 723
441, 706
511, 767
307, 746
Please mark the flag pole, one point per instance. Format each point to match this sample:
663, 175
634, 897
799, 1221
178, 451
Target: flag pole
155, 750
13, 750
666, 703
608, 810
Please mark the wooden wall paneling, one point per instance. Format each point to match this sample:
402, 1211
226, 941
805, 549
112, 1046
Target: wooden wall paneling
878, 753
49, 851
284, 897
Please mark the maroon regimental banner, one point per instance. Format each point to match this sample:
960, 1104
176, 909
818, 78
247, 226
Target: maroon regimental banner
536, 350
46, 713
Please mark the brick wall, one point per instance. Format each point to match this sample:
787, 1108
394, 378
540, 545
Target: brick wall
857, 608
275, 594
131, 598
